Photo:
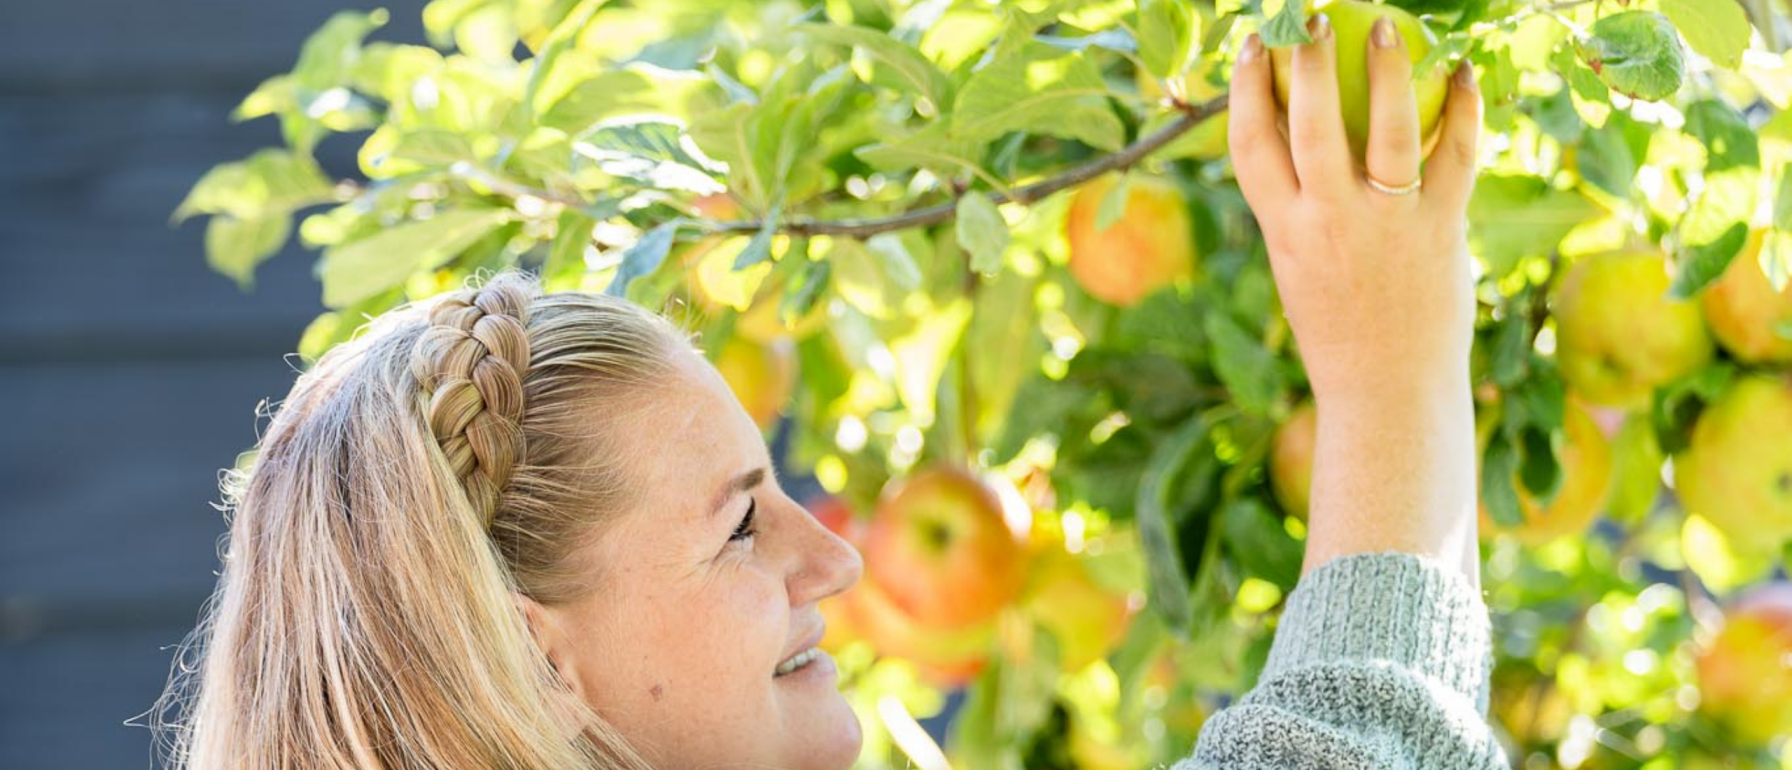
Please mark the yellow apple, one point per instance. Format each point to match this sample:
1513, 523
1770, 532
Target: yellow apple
1743, 310
1149, 247
1351, 21
1618, 336
1586, 467
939, 547
1086, 618
1736, 470
762, 375
1745, 672
1291, 459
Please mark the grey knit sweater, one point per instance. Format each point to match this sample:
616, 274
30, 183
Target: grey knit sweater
1381, 661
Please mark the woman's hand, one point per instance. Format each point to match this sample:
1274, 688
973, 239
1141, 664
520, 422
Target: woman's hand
1376, 286
1378, 289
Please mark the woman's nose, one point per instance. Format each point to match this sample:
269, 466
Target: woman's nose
825, 564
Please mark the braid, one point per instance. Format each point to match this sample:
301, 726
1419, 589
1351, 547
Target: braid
471, 361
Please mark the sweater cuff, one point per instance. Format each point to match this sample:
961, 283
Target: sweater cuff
1388, 608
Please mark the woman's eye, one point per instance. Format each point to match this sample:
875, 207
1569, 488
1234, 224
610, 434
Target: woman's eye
746, 529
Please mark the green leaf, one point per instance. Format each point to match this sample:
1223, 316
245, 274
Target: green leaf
1451, 47
932, 147
1714, 230
1717, 29
652, 150
1782, 202
759, 247
1512, 344
1675, 407
1611, 154
1637, 53
1517, 216
272, 181
1255, 538
1113, 204
563, 37
1249, 371
1581, 78
358, 270
566, 254
1636, 470
330, 54
1166, 31
235, 246
920, 75
1539, 470
1167, 577
1041, 405
981, 230
875, 275
643, 257
742, 136
1728, 140
809, 283
1287, 27
1040, 90
1499, 464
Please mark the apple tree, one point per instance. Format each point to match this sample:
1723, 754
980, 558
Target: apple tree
984, 270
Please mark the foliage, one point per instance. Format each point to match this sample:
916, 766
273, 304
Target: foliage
894, 168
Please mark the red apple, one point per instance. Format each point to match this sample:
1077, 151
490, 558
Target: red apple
941, 550
1745, 673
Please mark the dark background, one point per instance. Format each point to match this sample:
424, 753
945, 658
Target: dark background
129, 370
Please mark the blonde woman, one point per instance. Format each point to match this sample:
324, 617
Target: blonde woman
507, 530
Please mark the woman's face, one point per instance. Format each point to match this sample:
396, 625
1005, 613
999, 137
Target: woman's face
702, 590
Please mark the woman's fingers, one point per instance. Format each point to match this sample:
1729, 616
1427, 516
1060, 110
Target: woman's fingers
1259, 154
1450, 174
1393, 151
1315, 124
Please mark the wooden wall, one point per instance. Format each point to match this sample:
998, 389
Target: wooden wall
129, 371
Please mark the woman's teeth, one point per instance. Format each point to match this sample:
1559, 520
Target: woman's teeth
797, 661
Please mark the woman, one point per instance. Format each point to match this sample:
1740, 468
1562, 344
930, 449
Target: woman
502, 530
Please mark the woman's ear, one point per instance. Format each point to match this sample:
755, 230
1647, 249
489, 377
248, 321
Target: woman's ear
550, 640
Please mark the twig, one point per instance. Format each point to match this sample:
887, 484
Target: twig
1192, 115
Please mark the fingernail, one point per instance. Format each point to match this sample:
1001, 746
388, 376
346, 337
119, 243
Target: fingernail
1253, 49
1319, 27
1465, 75
1383, 33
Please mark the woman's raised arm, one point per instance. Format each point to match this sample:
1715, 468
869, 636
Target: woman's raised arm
1382, 657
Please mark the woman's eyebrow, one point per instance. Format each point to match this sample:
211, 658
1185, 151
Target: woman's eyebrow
736, 485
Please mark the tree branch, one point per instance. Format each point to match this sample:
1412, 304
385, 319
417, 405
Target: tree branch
1192, 115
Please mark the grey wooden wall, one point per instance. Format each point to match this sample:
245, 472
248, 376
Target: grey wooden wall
129, 372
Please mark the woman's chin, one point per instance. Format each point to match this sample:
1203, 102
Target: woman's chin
833, 733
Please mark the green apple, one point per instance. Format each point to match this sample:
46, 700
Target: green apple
1351, 21
1744, 311
1736, 470
1618, 336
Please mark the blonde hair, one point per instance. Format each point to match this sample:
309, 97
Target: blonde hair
412, 480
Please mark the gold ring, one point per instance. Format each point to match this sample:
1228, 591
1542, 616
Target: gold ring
1405, 189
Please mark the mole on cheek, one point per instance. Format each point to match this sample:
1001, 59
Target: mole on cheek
658, 691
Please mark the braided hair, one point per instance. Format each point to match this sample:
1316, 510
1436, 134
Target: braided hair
471, 361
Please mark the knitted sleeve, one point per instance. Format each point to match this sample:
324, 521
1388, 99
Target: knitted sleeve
1381, 661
